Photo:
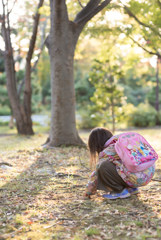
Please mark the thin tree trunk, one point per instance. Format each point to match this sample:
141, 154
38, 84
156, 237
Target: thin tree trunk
11, 123
157, 90
26, 110
12, 93
27, 84
113, 117
22, 113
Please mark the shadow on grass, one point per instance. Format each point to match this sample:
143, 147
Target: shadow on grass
20, 194
27, 196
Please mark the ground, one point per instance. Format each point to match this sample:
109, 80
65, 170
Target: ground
42, 195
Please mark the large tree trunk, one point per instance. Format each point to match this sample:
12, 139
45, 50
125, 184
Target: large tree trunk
61, 43
63, 125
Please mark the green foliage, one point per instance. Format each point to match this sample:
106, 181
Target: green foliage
20, 75
87, 119
3, 79
1, 63
45, 10
43, 75
147, 12
151, 96
5, 110
36, 95
3, 123
4, 101
83, 88
143, 115
108, 96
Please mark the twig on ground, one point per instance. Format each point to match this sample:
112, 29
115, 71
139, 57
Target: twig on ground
156, 180
51, 225
59, 174
5, 163
84, 165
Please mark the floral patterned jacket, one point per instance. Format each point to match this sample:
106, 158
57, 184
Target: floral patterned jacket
132, 179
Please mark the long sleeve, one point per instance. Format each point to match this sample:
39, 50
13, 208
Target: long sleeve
91, 186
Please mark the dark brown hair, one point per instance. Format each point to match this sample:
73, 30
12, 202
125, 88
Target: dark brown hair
96, 142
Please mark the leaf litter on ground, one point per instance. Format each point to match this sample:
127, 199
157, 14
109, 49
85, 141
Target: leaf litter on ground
42, 197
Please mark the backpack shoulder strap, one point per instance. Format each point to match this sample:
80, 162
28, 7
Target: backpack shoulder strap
113, 139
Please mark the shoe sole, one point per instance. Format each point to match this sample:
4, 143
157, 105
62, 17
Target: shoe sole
135, 192
124, 196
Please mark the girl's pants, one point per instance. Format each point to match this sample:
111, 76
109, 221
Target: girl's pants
109, 179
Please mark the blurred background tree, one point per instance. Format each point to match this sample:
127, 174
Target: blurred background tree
128, 36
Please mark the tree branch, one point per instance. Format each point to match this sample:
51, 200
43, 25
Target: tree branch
91, 9
12, 7
17, 58
141, 23
159, 3
150, 52
42, 44
20, 87
47, 43
36, 62
80, 3
34, 33
4, 34
88, 8
132, 15
6, 30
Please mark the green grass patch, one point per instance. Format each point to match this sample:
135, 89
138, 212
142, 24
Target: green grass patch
139, 223
92, 231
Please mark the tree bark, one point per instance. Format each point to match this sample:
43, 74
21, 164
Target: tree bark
27, 85
113, 116
61, 44
61, 51
21, 112
11, 123
17, 108
11, 82
157, 90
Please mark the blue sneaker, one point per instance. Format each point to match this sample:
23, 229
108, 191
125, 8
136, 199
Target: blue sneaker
133, 190
124, 194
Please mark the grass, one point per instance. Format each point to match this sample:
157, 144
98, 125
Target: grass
92, 231
13, 141
38, 205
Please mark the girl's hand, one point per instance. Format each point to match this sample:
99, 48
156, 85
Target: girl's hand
87, 195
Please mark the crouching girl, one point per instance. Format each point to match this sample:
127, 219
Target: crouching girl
111, 174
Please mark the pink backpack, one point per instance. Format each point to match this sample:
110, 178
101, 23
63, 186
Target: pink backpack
135, 152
